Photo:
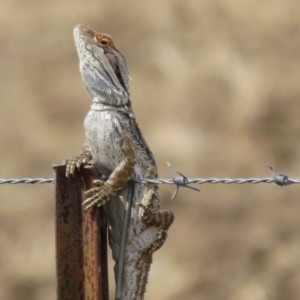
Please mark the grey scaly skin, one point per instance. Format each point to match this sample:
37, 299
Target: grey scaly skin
118, 149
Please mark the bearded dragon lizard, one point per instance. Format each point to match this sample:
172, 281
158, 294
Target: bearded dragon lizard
115, 144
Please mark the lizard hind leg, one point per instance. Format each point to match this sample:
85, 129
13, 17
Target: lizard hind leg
160, 218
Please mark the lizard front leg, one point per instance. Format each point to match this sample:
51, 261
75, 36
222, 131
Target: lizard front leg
75, 162
118, 179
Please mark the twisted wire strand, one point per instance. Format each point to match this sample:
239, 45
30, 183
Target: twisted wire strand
164, 181
218, 180
181, 180
27, 181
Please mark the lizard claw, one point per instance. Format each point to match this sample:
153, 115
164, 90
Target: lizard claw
98, 195
73, 163
77, 161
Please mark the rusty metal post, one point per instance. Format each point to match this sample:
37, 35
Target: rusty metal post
81, 246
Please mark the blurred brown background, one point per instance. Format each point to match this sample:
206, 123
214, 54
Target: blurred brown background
216, 89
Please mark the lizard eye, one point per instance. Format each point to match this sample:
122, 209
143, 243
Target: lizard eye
103, 42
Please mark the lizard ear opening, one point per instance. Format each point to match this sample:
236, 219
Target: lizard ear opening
119, 76
121, 71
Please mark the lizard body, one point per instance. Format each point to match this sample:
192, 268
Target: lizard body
118, 149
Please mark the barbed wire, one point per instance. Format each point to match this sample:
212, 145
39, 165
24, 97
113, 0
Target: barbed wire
181, 180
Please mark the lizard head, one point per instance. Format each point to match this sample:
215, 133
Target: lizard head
102, 65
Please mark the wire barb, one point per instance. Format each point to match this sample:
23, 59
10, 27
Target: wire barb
180, 181
280, 179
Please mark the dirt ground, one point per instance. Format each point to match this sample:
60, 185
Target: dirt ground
216, 89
